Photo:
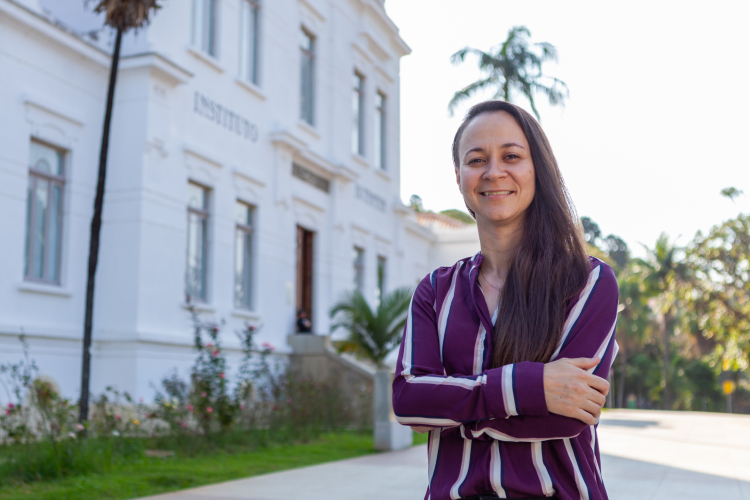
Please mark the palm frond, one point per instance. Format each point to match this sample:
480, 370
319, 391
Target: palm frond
467, 92
515, 67
371, 335
127, 14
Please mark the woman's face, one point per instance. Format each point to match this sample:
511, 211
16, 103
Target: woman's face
495, 172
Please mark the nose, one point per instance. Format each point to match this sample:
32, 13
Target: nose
494, 169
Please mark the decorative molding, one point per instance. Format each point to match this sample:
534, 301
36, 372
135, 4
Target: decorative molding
44, 289
43, 103
206, 58
160, 67
191, 151
251, 87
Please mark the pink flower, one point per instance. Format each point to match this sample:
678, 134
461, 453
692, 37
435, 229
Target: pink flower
215, 353
140, 400
183, 424
7, 412
79, 427
11, 406
117, 417
203, 394
221, 375
242, 407
209, 410
268, 346
209, 344
251, 328
215, 329
288, 401
190, 407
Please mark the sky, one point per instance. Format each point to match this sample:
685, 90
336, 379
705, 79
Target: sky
656, 125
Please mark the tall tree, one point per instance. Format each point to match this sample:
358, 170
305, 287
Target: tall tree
665, 282
513, 67
719, 264
122, 15
372, 334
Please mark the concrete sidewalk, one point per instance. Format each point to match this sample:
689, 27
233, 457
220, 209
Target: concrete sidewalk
645, 455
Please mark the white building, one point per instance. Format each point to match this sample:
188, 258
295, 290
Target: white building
253, 166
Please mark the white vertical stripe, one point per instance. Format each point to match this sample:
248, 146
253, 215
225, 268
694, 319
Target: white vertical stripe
544, 479
593, 449
479, 350
434, 448
445, 310
465, 460
576, 312
582, 490
407, 340
509, 399
496, 477
603, 347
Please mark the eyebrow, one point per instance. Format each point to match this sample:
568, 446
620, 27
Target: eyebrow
506, 145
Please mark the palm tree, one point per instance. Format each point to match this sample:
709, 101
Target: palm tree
372, 335
513, 67
664, 282
122, 15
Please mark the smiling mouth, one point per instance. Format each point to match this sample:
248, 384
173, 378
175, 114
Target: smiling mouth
495, 193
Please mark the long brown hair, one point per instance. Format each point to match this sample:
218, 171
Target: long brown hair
550, 266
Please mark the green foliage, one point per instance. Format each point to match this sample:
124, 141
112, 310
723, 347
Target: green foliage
731, 193
459, 215
513, 67
232, 456
372, 335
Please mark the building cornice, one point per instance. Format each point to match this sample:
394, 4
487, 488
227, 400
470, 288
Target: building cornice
159, 65
53, 31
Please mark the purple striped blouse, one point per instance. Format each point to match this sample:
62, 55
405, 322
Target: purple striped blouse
489, 427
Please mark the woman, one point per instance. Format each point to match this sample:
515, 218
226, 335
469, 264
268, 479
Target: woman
505, 354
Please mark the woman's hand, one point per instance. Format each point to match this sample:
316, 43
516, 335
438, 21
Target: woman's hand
570, 391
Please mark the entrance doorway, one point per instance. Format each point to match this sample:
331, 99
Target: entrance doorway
305, 271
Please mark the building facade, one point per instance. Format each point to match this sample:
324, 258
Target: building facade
253, 171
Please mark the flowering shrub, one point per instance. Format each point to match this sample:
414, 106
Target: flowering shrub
116, 414
16, 379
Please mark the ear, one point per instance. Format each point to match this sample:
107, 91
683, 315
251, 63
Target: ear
458, 179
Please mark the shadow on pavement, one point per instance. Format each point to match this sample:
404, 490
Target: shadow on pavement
630, 423
627, 479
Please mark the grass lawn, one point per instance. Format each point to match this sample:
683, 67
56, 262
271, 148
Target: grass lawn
152, 476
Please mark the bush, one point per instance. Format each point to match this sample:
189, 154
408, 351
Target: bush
43, 441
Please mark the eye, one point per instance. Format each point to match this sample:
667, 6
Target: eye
473, 161
512, 156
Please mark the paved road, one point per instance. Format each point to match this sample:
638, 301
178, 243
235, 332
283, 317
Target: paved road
646, 455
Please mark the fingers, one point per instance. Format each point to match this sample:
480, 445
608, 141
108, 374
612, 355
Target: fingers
598, 384
592, 409
584, 363
597, 398
585, 417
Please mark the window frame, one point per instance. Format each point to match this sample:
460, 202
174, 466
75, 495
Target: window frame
381, 277
247, 230
205, 215
205, 27
359, 269
34, 176
307, 113
250, 70
358, 115
379, 133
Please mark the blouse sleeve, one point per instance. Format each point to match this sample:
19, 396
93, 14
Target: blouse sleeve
589, 332
425, 397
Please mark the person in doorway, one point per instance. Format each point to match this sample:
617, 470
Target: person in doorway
505, 355
304, 325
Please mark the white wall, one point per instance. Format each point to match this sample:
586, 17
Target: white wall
53, 86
